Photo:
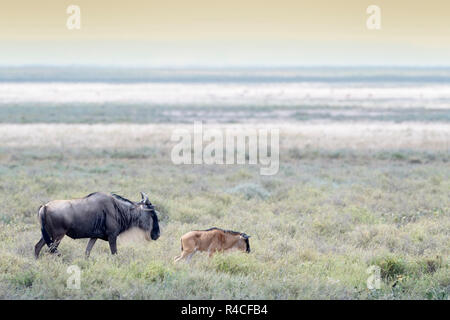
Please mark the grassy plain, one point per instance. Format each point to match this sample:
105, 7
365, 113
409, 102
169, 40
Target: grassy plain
347, 196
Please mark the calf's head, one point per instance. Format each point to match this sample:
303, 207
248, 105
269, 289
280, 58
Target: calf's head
243, 243
148, 220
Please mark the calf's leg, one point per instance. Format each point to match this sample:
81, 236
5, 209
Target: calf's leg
188, 248
189, 257
185, 254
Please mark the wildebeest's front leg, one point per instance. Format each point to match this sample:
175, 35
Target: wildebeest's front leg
89, 246
112, 244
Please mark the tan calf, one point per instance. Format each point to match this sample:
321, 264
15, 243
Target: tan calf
211, 241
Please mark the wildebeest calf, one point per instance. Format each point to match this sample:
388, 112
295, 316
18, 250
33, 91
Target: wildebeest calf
96, 216
211, 241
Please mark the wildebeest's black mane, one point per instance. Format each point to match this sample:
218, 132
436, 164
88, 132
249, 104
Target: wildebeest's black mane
223, 230
116, 196
123, 199
90, 194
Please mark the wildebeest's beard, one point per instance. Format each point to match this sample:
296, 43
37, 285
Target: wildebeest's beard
149, 222
154, 234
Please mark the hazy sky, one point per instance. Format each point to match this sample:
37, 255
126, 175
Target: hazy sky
223, 33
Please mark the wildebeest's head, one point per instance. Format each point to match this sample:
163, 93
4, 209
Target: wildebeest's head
243, 243
148, 219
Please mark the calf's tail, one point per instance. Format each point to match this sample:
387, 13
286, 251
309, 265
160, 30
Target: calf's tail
45, 235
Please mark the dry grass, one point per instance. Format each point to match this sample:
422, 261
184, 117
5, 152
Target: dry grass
365, 195
328, 136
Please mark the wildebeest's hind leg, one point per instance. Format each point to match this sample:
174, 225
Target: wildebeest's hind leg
54, 246
89, 246
113, 244
38, 247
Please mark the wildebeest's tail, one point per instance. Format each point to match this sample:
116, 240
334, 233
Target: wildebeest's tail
45, 235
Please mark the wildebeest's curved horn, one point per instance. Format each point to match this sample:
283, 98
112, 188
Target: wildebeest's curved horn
144, 197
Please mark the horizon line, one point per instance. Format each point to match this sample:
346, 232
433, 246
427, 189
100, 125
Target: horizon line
223, 66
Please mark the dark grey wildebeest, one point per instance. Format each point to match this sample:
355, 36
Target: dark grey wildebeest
96, 216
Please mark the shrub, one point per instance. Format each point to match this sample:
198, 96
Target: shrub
234, 263
24, 279
431, 265
155, 272
391, 267
250, 191
437, 294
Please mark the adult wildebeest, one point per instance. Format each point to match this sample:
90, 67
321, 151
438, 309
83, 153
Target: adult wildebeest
212, 240
96, 216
